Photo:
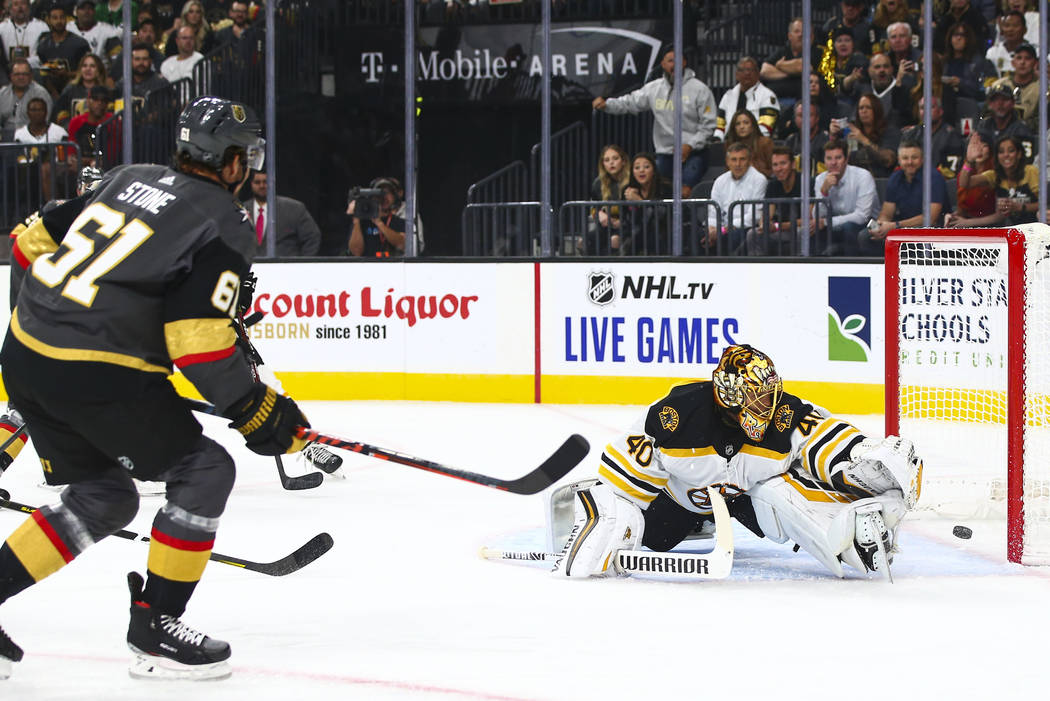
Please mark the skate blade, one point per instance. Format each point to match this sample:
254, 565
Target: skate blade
5, 668
162, 668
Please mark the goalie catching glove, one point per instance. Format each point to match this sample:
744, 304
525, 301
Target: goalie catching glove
267, 421
878, 466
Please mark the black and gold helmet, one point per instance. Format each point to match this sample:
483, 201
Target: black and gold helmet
746, 385
209, 126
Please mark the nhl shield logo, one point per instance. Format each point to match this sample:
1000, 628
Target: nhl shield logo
601, 288
238, 113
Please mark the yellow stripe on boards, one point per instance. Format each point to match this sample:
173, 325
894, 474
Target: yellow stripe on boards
842, 398
174, 564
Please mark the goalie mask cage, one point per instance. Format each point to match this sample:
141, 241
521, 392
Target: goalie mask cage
968, 373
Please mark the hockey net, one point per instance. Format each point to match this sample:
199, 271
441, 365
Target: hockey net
968, 373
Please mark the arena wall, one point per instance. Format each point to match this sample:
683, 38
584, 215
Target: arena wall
601, 332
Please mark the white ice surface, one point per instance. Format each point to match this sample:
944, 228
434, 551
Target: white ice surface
403, 608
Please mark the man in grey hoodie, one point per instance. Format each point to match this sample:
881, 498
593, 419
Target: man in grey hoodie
698, 119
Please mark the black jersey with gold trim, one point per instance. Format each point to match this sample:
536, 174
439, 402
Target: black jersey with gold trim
683, 446
145, 277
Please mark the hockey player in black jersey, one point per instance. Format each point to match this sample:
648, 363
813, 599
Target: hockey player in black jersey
32, 239
147, 277
788, 468
11, 420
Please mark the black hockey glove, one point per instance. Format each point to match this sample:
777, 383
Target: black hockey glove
244, 299
267, 421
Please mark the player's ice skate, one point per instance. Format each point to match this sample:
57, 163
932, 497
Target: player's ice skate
9, 652
323, 459
166, 648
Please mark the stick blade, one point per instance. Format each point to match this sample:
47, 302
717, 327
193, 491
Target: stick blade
307, 553
307, 481
560, 463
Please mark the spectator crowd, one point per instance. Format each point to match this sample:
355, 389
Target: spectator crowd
61, 66
61, 82
741, 151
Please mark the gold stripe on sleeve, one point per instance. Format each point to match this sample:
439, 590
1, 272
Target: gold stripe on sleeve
197, 336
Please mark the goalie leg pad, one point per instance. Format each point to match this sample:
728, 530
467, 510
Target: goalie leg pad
785, 514
832, 532
561, 512
604, 524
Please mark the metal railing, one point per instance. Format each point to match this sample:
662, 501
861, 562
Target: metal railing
152, 140
569, 148
32, 174
773, 227
508, 184
632, 132
770, 227
632, 227
501, 229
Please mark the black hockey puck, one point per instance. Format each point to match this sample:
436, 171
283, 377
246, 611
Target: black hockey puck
5, 495
962, 532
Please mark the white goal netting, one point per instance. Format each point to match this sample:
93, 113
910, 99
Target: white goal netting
955, 389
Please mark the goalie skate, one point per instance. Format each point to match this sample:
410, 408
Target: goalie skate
9, 652
323, 459
872, 541
166, 648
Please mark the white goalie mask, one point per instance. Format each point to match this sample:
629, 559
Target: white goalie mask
746, 385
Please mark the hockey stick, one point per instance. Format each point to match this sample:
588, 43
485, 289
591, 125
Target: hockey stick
310, 479
566, 457
559, 464
296, 560
716, 564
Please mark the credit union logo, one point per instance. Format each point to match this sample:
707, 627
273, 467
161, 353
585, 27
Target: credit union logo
849, 318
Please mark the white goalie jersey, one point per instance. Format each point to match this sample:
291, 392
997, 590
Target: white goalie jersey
682, 446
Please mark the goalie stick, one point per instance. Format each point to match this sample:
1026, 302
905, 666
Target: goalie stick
715, 564
559, 464
310, 479
296, 560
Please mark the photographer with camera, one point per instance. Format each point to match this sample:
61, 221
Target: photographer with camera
378, 228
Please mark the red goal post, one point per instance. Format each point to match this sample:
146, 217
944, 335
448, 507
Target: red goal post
968, 373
